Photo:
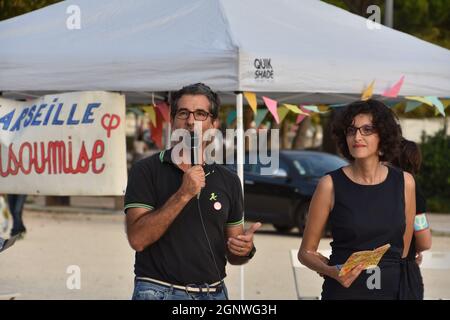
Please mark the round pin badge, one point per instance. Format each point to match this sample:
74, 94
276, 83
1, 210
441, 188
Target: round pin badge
217, 205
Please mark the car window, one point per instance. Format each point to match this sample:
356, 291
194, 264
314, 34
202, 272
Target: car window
317, 165
281, 165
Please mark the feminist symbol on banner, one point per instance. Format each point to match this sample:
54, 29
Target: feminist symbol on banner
114, 122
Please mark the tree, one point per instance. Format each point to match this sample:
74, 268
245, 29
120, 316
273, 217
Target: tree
12, 8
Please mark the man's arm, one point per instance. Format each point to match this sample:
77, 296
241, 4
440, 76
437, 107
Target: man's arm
145, 227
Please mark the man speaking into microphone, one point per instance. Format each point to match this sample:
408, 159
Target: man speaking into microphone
184, 218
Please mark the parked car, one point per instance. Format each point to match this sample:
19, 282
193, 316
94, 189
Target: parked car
282, 198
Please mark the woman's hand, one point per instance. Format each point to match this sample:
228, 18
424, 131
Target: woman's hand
347, 279
419, 258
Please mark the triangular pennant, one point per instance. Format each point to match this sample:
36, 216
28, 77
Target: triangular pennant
300, 118
437, 103
391, 104
282, 113
157, 130
295, 109
368, 92
150, 110
164, 109
251, 99
231, 117
305, 110
421, 99
313, 109
272, 106
260, 116
393, 91
411, 105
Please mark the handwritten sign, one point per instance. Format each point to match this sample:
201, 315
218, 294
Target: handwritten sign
63, 144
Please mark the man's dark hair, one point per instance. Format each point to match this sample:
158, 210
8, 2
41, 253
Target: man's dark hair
383, 119
196, 89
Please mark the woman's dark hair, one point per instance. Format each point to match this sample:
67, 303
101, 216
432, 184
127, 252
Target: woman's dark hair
383, 119
196, 89
409, 158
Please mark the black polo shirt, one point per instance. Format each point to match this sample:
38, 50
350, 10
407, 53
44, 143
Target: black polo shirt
182, 256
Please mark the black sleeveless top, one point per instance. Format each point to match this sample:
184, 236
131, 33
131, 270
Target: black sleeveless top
365, 217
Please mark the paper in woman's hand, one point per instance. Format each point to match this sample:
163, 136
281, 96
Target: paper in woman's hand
367, 258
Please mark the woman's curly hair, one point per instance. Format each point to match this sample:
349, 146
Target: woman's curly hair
383, 119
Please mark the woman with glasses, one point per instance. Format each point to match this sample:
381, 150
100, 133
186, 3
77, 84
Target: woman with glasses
368, 204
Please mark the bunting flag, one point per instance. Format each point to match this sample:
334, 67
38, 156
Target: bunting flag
430, 101
150, 110
411, 105
295, 109
164, 109
391, 104
259, 117
421, 99
157, 129
305, 110
300, 118
437, 103
282, 112
231, 117
272, 106
313, 109
368, 92
251, 99
393, 91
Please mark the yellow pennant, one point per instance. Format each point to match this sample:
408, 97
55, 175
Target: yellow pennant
150, 110
282, 113
295, 109
251, 99
368, 92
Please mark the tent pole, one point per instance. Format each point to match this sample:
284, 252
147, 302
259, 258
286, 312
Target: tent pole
240, 158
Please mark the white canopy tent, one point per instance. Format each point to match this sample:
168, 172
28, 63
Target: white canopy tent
308, 51
160, 45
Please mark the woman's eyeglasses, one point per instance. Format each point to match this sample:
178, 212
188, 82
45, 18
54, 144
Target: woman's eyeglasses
199, 115
365, 130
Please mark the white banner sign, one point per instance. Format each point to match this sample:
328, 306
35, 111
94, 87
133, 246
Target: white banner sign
64, 144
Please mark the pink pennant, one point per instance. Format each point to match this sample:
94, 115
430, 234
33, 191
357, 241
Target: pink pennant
300, 118
272, 106
393, 91
164, 109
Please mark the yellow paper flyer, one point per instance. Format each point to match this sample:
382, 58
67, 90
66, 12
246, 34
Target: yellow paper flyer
367, 258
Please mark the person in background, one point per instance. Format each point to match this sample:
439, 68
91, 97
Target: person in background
16, 203
410, 160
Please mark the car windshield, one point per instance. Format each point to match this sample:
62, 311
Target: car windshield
316, 165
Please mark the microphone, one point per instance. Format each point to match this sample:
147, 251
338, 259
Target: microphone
194, 148
195, 159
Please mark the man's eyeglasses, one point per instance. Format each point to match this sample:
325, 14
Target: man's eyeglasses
199, 115
365, 130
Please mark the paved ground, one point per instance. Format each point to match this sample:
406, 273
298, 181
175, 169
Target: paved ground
36, 266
